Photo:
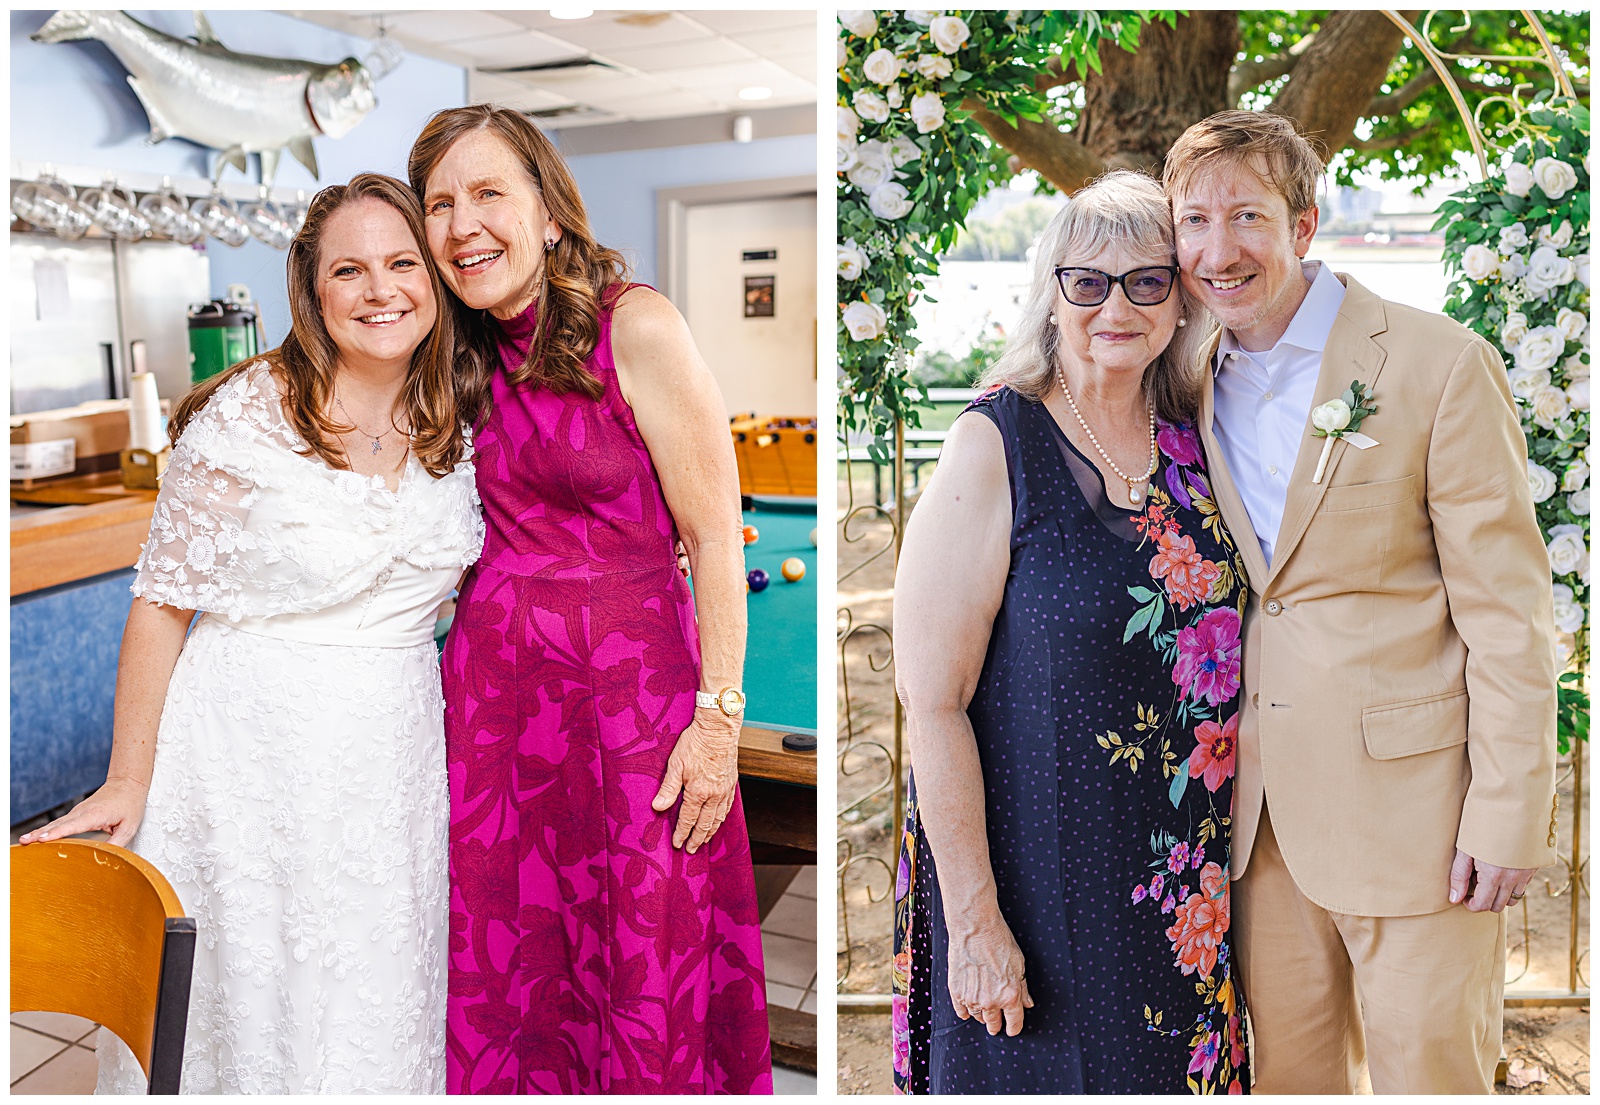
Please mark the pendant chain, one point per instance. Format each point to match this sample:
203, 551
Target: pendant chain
1135, 484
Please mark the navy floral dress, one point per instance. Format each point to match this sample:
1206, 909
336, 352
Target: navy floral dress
1106, 719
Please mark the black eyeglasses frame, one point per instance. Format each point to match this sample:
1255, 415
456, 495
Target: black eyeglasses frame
1112, 281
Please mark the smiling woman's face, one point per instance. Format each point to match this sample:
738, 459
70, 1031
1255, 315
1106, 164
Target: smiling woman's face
372, 285
487, 225
1116, 336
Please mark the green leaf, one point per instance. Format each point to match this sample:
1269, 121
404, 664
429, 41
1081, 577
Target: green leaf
1180, 783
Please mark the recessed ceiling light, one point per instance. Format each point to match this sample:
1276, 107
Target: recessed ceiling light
567, 11
755, 92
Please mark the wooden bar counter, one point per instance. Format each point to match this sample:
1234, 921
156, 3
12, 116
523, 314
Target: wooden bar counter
92, 525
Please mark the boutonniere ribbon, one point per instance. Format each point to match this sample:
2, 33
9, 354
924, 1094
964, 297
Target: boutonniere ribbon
1340, 418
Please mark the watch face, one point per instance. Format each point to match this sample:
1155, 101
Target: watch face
732, 701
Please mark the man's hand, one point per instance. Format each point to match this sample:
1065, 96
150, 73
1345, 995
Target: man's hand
1493, 889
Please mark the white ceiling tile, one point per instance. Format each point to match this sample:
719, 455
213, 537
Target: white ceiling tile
777, 43
741, 22
607, 31
715, 50
724, 81
519, 48
448, 26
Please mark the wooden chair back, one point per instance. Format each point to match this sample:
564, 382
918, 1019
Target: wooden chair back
97, 931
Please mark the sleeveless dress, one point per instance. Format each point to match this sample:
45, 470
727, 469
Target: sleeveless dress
298, 801
1106, 718
587, 954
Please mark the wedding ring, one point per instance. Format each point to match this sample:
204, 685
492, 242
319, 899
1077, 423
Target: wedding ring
1515, 897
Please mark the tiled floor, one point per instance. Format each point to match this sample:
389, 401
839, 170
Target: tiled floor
52, 1053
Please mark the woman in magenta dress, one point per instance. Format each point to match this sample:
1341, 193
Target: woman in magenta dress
604, 936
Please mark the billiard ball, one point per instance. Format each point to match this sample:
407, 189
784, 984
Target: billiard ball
813, 537
751, 535
794, 569
757, 580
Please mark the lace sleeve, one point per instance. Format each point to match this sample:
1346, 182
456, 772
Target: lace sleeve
194, 558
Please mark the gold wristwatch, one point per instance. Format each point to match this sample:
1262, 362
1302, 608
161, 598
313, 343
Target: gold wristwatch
730, 700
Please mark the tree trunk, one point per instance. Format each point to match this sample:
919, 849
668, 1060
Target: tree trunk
1338, 76
1138, 105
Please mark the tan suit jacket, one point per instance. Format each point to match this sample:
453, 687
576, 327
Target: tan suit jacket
1399, 660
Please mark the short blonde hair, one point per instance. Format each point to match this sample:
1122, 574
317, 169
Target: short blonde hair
1121, 206
1256, 140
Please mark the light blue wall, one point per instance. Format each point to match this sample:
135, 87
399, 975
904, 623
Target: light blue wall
619, 189
71, 104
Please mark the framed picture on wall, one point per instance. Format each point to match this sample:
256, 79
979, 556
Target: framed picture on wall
758, 296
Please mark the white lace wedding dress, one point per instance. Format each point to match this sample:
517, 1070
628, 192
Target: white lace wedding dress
299, 803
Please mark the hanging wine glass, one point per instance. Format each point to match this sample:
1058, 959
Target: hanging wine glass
265, 222
58, 207
111, 208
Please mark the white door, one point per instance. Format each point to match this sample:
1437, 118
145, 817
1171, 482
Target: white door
744, 260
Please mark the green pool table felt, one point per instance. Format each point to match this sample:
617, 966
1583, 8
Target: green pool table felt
780, 665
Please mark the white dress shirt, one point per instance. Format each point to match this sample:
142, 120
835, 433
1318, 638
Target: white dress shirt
1263, 401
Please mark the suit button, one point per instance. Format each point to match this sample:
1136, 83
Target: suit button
1273, 606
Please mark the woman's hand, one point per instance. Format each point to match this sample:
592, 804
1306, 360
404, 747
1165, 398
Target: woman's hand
116, 808
986, 976
705, 766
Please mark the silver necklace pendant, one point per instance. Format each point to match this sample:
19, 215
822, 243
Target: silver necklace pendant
377, 446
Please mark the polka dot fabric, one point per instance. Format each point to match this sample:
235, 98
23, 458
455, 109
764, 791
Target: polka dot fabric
1106, 719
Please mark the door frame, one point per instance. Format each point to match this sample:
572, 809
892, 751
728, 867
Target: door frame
672, 220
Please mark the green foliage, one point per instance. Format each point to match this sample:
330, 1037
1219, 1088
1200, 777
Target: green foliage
1521, 280
1006, 236
941, 369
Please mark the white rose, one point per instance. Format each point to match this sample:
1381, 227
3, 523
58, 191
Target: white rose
1580, 268
1554, 177
1575, 366
844, 156
852, 262
1332, 415
936, 67
1571, 323
863, 24
1526, 382
1558, 236
1513, 330
1540, 348
881, 67
1541, 481
1549, 406
949, 33
1578, 394
894, 95
927, 111
1479, 262
870, 106
1547, 270
922, 18
1514, 267
864, 321
1578, 502
841, 54
1576, 475
903, 151
848, 124
1565, 550
1519, 178
1569, 613
1513, 238
872, 166
890, 201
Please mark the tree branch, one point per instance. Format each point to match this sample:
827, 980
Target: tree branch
1393, 141
1338, 75
1249, 74
1054, 154
1403, 97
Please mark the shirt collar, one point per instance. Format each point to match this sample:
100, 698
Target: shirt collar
1312, 323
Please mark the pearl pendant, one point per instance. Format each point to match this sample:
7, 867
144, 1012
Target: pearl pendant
1135, 496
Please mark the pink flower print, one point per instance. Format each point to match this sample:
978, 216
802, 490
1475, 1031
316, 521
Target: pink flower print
1179, 442
1156, 884
1168, 904
1212, 758
1178, 858
1140, 893
1208, 657
1204, 1057
900, 1030
1187, 573
1198, 857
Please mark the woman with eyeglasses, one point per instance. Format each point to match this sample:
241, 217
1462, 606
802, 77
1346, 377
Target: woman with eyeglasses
1061, 914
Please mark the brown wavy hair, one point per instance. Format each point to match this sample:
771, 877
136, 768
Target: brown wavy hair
307, 361
579, 276
1256, 140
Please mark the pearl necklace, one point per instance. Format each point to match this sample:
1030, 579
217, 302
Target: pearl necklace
1137, 484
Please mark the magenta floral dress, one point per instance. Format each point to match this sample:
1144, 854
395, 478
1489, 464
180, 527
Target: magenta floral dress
1106, 717
587, 955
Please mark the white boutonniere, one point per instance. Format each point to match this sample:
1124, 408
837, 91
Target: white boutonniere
1340, 418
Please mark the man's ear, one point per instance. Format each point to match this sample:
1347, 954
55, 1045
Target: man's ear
1305, 228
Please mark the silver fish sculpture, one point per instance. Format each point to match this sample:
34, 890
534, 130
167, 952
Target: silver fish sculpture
237, 103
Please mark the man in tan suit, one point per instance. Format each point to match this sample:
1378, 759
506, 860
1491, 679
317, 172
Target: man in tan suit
1396, 770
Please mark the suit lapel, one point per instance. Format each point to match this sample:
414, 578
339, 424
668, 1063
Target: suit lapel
1350, 354
1223, 491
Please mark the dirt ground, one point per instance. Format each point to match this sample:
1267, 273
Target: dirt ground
1556, 1040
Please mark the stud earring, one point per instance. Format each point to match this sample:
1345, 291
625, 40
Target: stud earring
1183, 322
1052, 318
549, 244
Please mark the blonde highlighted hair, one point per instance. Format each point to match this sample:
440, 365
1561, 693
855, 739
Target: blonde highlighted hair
1126, 207
1268, 145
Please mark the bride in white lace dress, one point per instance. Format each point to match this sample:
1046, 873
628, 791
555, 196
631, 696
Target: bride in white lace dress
284, 767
